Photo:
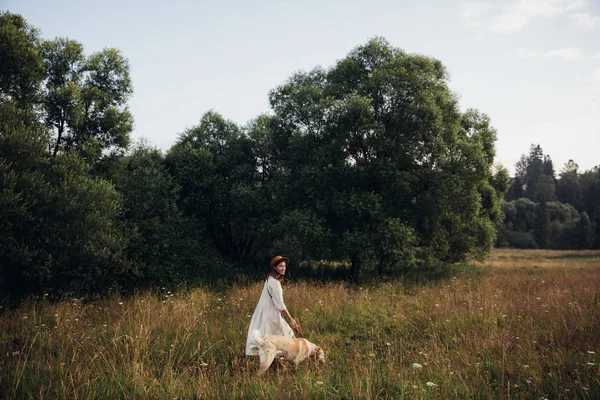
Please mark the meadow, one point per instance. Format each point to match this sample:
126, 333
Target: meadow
522, 325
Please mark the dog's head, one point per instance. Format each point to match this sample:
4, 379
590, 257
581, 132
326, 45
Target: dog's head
318, 353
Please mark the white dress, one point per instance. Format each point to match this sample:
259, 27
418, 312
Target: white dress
267, 315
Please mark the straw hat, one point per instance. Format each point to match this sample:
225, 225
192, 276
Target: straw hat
278, 259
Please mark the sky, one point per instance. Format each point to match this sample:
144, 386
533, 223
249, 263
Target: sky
533, 66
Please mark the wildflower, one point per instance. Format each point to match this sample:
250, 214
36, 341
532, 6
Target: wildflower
437, 305
121, 303
417, 365
431, 384
388, 344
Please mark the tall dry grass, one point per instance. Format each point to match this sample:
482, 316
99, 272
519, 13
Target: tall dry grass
526, 326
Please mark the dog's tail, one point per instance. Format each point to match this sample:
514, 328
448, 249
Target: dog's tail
257, 338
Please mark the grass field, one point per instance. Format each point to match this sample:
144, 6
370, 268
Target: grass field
523, 325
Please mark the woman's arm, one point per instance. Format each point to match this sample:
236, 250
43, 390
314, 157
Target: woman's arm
293, 322
277, 297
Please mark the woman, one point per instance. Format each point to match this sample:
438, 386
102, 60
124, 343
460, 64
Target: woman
269, 313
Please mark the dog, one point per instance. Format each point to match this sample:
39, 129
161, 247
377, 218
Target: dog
296, 350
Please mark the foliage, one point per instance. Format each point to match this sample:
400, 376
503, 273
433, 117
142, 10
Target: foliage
58, 223
566, 200
163, 246
216, 168
85, 98
21, 67
378, 141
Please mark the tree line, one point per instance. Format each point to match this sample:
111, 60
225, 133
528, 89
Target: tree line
369, 161
549, 212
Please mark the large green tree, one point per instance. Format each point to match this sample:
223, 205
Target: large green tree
378, 150
85, 98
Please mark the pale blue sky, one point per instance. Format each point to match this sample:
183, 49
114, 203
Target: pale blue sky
532, 65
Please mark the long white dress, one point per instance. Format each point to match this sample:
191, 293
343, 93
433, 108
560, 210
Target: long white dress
267, 315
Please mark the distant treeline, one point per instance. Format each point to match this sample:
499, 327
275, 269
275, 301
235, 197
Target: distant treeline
369, 162
543, 211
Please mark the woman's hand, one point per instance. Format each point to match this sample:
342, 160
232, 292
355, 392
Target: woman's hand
294, 325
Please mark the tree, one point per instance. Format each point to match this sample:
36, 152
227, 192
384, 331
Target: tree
515, 190
584, 233
542, 225
568, 187
548, 168
528, 172
163, 246
222, 188
64, 61
21, 72
85, 98
21, 67
545, 190
534, 170
59, 225
590, 191
378, 141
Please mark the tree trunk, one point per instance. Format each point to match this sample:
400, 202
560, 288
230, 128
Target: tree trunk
356, 269
61, 129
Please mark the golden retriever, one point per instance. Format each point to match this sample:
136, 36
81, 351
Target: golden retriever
296, 350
